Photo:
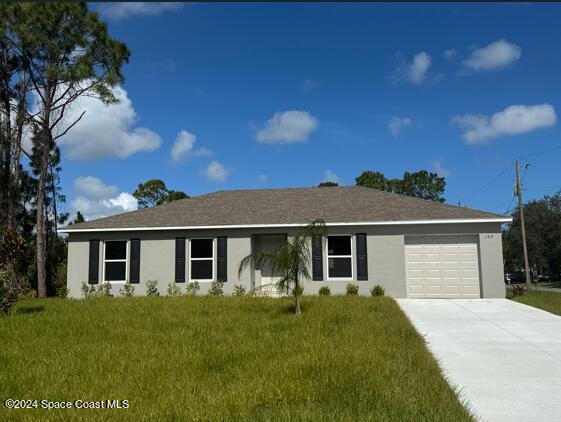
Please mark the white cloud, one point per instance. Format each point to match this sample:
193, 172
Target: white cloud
513, 120
183, 147
397, 124
262, 179
120, 11
94, 188
440, 169
308, 85
450, 54
496, 55
98, 200
217, 172
330, 176
106, 131
287, 127
419, 67
414, 72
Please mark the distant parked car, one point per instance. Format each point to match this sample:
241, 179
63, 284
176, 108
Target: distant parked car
516, 277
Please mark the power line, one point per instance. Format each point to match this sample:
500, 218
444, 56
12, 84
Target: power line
541, 152
488, 183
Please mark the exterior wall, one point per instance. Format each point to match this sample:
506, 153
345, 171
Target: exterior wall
385, 248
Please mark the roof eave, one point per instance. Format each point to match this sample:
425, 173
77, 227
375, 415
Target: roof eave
501, 220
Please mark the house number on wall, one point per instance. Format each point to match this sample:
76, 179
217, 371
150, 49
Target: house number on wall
489, 236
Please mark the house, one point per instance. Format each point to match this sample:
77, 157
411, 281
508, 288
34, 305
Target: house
412, 247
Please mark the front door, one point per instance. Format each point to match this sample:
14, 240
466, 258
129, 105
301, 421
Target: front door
267, 244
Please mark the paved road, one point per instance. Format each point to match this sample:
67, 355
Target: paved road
503, 356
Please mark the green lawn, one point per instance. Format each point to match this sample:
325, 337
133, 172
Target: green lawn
222, 358
548, 301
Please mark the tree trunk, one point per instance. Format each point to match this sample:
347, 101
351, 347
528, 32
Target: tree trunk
40, 224
297, 310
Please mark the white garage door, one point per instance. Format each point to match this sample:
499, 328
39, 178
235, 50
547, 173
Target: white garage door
442, 266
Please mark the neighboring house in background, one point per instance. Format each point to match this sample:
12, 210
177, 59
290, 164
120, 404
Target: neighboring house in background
412, 247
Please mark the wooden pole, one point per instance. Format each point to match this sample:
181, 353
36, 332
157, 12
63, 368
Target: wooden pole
522, 228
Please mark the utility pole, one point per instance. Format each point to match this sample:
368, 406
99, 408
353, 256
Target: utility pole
522, 228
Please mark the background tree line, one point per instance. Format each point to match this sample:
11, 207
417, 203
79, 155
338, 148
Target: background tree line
50, 55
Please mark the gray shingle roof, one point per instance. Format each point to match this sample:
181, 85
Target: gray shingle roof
344, 204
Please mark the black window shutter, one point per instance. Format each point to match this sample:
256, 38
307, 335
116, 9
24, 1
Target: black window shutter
222, 260
361, 257
93, 269
135, 261
180, 260
317, 258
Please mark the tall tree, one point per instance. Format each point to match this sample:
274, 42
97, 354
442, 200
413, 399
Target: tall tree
154, 192
542, 219
291, 260
420, 184
327, 184
66, 52
423, 184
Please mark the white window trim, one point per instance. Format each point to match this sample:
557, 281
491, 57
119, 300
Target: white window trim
116, 260
327, 256
213, 258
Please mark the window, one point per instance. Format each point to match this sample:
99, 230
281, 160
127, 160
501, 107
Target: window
201, 259
115, 260
339, 257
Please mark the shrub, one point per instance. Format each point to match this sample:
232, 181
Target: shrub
152, 288
62, 292
352, 289
193, 288
127, 290
324, 291
8, 294
239, 290
174, 289
216, 288
518, 290
104, 289
88, 290
377, 290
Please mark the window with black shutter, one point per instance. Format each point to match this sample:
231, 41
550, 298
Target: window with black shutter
180, 260
93, 266
135, 261
317, 258
221, 259
361, 257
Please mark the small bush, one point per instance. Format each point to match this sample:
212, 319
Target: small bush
518, 290
324, 291
377, 290
352, 289
88, 290
62, 292
174, 289
152, 288
216, 288
193, 288
8, 294
104, 289
509, 294
239, 290
127, 290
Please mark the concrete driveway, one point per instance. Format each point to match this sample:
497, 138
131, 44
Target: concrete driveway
503, 357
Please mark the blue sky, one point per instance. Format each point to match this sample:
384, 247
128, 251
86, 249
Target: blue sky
283, 95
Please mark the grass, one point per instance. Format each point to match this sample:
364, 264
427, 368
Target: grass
222, 358
548, 301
